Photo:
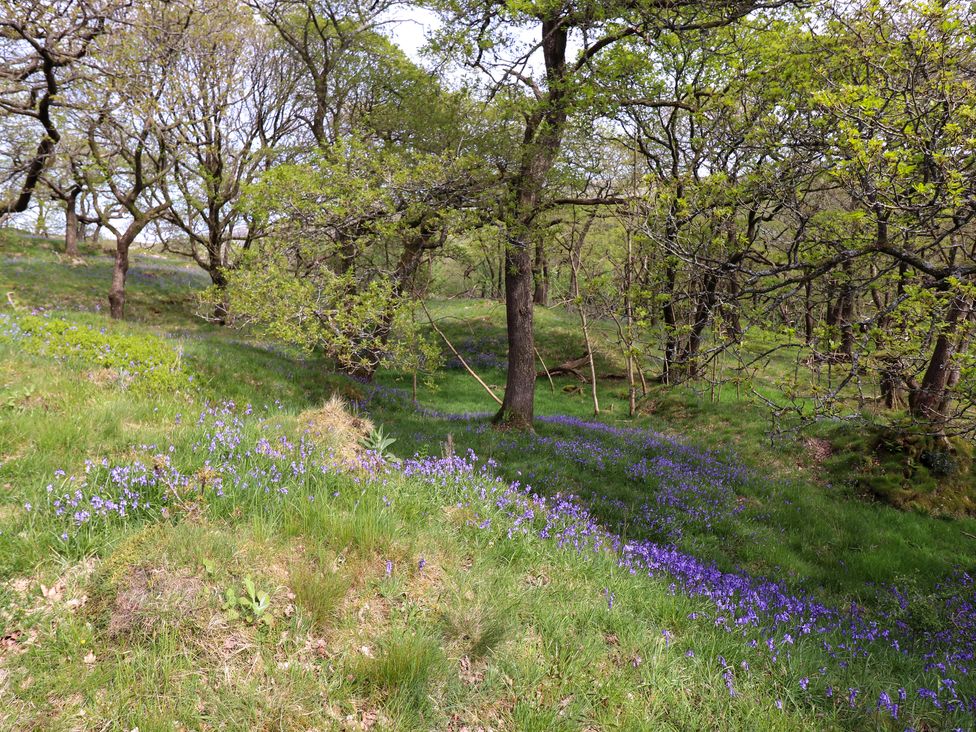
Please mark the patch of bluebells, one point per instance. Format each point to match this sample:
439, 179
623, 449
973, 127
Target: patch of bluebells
483, 352
234, 459
686, 487
256, 459
768, 616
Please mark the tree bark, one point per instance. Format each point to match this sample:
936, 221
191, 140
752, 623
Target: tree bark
518, 405
219, 280
71, 224
629, 315
671, 328
703, 315
540, 145
930, 400
215, 266
541, 274
809, 323
120, 269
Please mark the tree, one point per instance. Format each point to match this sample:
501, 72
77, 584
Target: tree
227, 112
480, 35
901, 99
129, 136
41, 45
331, 47
322, 279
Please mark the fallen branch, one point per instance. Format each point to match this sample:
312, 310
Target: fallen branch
569, 367
552, 387
459, 357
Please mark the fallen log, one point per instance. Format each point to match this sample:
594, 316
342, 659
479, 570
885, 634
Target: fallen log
567, 367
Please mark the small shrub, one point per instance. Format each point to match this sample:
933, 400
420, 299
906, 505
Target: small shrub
143, 363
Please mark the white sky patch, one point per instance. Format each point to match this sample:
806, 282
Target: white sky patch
410, 28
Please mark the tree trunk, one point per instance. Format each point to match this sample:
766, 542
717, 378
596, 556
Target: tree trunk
629, 315
671, 231
518, 405
890, 387
499, 291
71, 224
219, 280
840, 315
703, 315
730, 309
930, 400
671, 329
540, 145
541, 274
215, 265
120, 269
809, 323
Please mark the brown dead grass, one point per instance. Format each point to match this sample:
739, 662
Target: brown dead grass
334, 427
149, 592
102, 376
818, 449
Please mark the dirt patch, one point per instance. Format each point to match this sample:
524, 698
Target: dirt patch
334, 427
148, 593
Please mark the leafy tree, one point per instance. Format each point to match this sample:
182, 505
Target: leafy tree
42, 43
323, 278
484, 36
228, 110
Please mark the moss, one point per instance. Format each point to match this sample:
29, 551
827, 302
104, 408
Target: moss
906, 467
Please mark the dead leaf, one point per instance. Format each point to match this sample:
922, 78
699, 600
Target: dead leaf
470, 675
10, 642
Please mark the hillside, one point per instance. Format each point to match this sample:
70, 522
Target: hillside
193, 535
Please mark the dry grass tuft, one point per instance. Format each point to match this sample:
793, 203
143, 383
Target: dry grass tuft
334, 427
818, 449
147, 593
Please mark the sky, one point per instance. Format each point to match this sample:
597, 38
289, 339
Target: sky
409, 29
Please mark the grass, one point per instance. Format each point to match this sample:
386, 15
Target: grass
393, 604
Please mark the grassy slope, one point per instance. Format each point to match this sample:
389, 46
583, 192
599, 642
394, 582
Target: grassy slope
507, 633
795, 523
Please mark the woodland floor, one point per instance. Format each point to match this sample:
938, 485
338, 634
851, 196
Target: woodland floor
179, 549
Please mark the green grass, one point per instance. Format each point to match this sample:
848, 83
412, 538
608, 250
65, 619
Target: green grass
493, 631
